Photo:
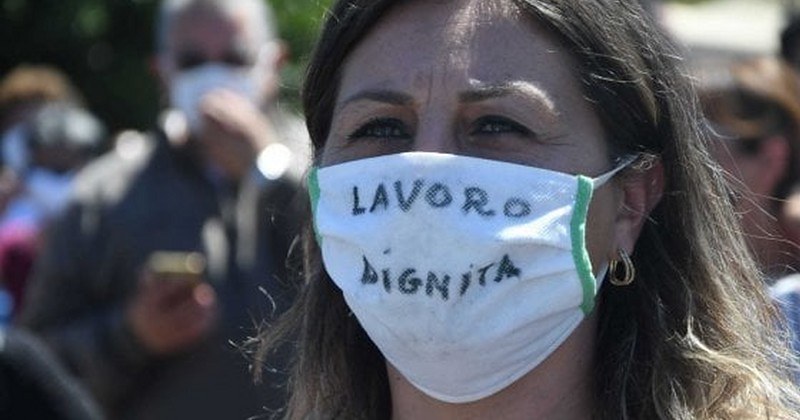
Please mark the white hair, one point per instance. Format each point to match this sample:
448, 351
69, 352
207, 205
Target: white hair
261, 22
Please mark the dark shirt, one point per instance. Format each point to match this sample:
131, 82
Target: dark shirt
33, 385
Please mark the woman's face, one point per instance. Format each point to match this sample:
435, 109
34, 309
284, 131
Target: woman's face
474, 78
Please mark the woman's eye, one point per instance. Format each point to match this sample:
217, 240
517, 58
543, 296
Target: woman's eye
498, 125
382, 128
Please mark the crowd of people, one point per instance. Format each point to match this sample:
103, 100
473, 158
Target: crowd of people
488, 209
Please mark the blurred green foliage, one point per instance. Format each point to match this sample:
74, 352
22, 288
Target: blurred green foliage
105, 47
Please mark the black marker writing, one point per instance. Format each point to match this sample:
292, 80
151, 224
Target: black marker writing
405, 203
438, 284
438, 196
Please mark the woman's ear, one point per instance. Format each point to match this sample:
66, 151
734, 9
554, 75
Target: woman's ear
641, 189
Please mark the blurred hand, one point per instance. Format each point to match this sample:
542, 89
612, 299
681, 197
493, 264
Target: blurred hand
234, 132
171, 313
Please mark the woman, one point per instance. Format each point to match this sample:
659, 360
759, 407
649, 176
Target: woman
461, 145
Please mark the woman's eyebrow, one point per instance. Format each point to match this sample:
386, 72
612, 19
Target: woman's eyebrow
481, 92
378, 95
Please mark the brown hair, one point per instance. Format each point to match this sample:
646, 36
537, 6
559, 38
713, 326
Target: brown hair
691, 338
29, 84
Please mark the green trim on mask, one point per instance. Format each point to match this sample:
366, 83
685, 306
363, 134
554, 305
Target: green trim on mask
579, 252
313, 192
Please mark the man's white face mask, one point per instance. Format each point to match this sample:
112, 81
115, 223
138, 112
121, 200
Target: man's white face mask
189, 87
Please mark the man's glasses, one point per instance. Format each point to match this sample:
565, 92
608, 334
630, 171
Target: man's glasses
188, 60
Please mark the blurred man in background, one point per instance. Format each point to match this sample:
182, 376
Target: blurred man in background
177, 241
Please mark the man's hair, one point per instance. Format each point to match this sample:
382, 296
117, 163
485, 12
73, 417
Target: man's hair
261, 22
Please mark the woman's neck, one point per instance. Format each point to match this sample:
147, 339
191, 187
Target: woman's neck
559, 388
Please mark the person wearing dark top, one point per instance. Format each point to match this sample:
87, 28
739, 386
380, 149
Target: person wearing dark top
34, 385
212, 190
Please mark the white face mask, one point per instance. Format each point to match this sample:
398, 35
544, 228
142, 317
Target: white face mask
189, 87
466, 273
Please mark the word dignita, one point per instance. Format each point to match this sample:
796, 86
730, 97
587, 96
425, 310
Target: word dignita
436, 195
410, 281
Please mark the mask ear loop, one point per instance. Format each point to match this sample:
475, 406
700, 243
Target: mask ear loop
602, 179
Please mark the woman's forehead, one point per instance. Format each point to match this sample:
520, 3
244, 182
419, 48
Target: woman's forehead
451, 19
428, 44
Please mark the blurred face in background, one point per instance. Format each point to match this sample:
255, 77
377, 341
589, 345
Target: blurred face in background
208, 50
753, 144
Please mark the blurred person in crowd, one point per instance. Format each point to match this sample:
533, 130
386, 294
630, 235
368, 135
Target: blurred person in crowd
753, 108
535, 231
61, 139
23, 91
754, 111
177, 241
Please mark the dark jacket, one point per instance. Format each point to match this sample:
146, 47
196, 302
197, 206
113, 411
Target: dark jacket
33, 385
149, 196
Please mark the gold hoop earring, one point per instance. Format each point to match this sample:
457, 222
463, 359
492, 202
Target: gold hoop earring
630, 271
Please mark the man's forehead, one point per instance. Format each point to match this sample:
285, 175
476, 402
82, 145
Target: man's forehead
205, 26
